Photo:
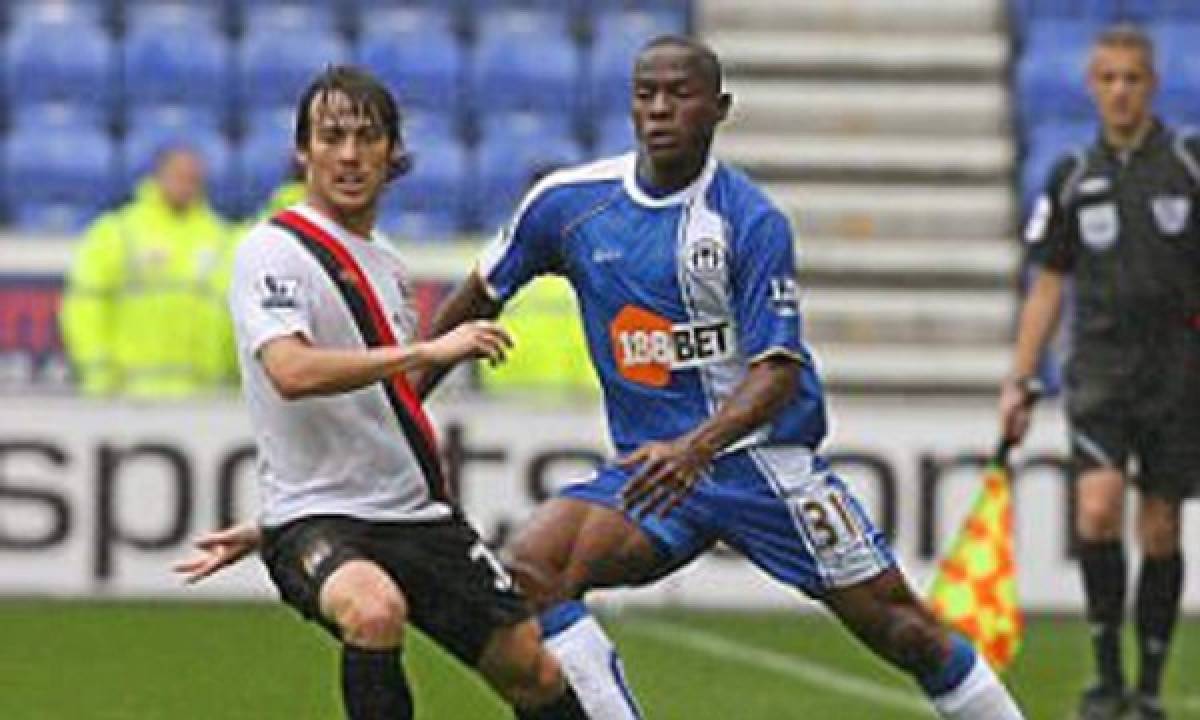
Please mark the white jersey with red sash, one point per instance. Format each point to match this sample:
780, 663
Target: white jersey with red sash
370, 453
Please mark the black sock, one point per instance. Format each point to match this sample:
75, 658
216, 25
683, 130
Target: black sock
566, 707
374, 686
1104, 585
1160, 586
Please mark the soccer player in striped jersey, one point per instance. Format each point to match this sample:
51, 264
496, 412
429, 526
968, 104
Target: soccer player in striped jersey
357, 529
686, 281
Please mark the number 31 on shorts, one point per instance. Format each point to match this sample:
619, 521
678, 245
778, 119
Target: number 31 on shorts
829, 518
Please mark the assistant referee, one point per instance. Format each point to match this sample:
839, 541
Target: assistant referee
1119, 217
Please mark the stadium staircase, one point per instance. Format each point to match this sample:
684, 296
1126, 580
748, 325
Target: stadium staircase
883, 129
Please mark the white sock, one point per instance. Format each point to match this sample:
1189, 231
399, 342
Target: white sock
980, 696
592, 666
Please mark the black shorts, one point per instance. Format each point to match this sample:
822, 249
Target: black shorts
1150, 417
456, 591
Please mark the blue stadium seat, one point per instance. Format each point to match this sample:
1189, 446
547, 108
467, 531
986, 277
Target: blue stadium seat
58, 177
436, 188
154, 131
96, 12
681, 7
1179, 71
276, 62
59, 55
643, 21
1098, 10
481, 15
1046, 143
57, 115
1051, 72
176, 57
515, 151
1028, 13
171, 13
289, 14
266, 156
526, 61
419, 127
618, 38
614, 135
1025, 14
417, 54
60, 218
670, 16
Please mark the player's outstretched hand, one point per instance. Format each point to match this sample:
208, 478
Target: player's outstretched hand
219, 549
666, 473
480, 339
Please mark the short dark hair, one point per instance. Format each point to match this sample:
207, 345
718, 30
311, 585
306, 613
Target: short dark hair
366, 93
710, 64
1127, 35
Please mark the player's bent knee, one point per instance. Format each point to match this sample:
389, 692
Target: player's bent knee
373, 622
365, 605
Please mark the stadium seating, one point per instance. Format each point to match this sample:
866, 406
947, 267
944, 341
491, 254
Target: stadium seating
93, 11
289, 14
614, 135
1179, 71
516, 150
435, 190
56, 177
526, 61
171, 13
1051, 72
176, 55
1029, 13
154, 131
265, 156
416, 52
279, 56
141, 72
59, 53
1053, 105
618, 38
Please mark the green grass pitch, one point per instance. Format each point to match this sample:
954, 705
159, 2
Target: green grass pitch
150, 661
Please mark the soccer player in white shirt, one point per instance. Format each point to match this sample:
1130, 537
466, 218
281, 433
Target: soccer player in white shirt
357, 529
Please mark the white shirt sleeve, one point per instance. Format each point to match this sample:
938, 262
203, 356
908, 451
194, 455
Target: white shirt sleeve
273, 290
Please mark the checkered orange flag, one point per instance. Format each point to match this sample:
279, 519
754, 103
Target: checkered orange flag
976, 585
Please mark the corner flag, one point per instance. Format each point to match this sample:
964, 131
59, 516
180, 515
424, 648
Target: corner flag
975, 589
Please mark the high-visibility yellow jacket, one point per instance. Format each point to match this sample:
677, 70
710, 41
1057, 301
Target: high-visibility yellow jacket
144, 313
284, 196
550, 354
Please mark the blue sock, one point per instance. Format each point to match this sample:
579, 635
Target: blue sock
562, 616
953, 671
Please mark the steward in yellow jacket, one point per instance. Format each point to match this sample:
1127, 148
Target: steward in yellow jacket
144, 314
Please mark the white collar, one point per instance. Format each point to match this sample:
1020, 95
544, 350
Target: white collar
683, 195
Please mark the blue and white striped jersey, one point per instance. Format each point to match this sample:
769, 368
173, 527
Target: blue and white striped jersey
679, 294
